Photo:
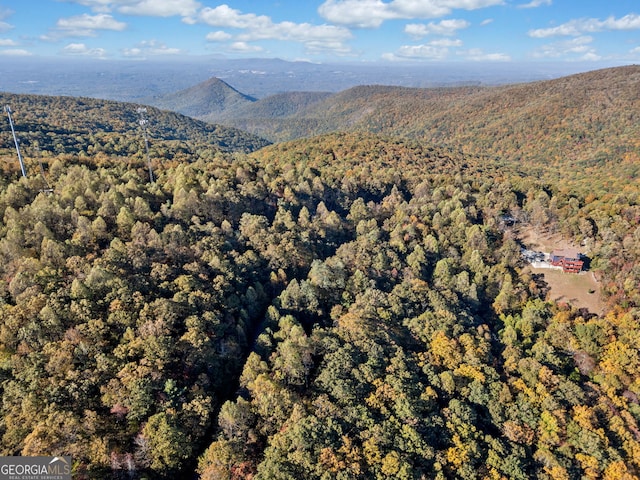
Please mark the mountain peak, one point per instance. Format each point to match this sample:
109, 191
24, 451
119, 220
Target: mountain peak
209, 97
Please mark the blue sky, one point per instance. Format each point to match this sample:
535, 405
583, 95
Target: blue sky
325, 31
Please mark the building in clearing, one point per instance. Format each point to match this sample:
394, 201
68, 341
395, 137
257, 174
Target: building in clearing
569, 259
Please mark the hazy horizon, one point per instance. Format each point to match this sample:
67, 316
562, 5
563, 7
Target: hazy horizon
131, 80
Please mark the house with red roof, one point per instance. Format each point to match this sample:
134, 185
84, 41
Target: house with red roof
569, 259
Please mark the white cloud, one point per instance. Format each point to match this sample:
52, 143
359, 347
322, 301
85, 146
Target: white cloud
535, 4
445, 27
589, 25
334, 48
438, 49
261, 27
155, 8
359, 13
372, 13
429, 52
579, 46
298, 32
225, 16
86, 25
97, 5
134, 52
591, 57
446, 42
149, 48
7, 42
635, 51
4, 13
82, 50
390, 57
244, 47
477, 55
218, 36
161, 8
15, 52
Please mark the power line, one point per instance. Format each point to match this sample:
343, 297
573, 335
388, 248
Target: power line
15, 140
47, 188
143, 123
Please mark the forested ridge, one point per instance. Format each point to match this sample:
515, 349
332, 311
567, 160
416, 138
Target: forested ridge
89, 126
571, 123
209, 98
345, 306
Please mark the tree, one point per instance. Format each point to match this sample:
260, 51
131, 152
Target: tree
168, 447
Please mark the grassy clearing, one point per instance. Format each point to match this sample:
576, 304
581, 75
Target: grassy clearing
581, 291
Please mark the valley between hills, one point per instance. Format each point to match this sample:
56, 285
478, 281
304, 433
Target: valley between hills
323, 285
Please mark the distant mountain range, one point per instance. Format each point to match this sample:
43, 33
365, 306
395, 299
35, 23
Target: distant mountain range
576, 123
133, 81
578, 120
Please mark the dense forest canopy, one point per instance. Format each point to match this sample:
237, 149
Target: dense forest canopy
345, 306
88, 126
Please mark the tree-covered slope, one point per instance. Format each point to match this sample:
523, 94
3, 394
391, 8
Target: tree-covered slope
345, 111
69, 124
126, 308
274, 106
206, 101
572, 123
416, 347
346, 306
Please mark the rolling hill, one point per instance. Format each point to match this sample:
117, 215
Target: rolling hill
69, 124
206, 100
575, 122
214, 100
281, 105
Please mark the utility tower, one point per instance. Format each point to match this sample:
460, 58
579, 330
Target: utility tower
47, 188
15, 140
143, 124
